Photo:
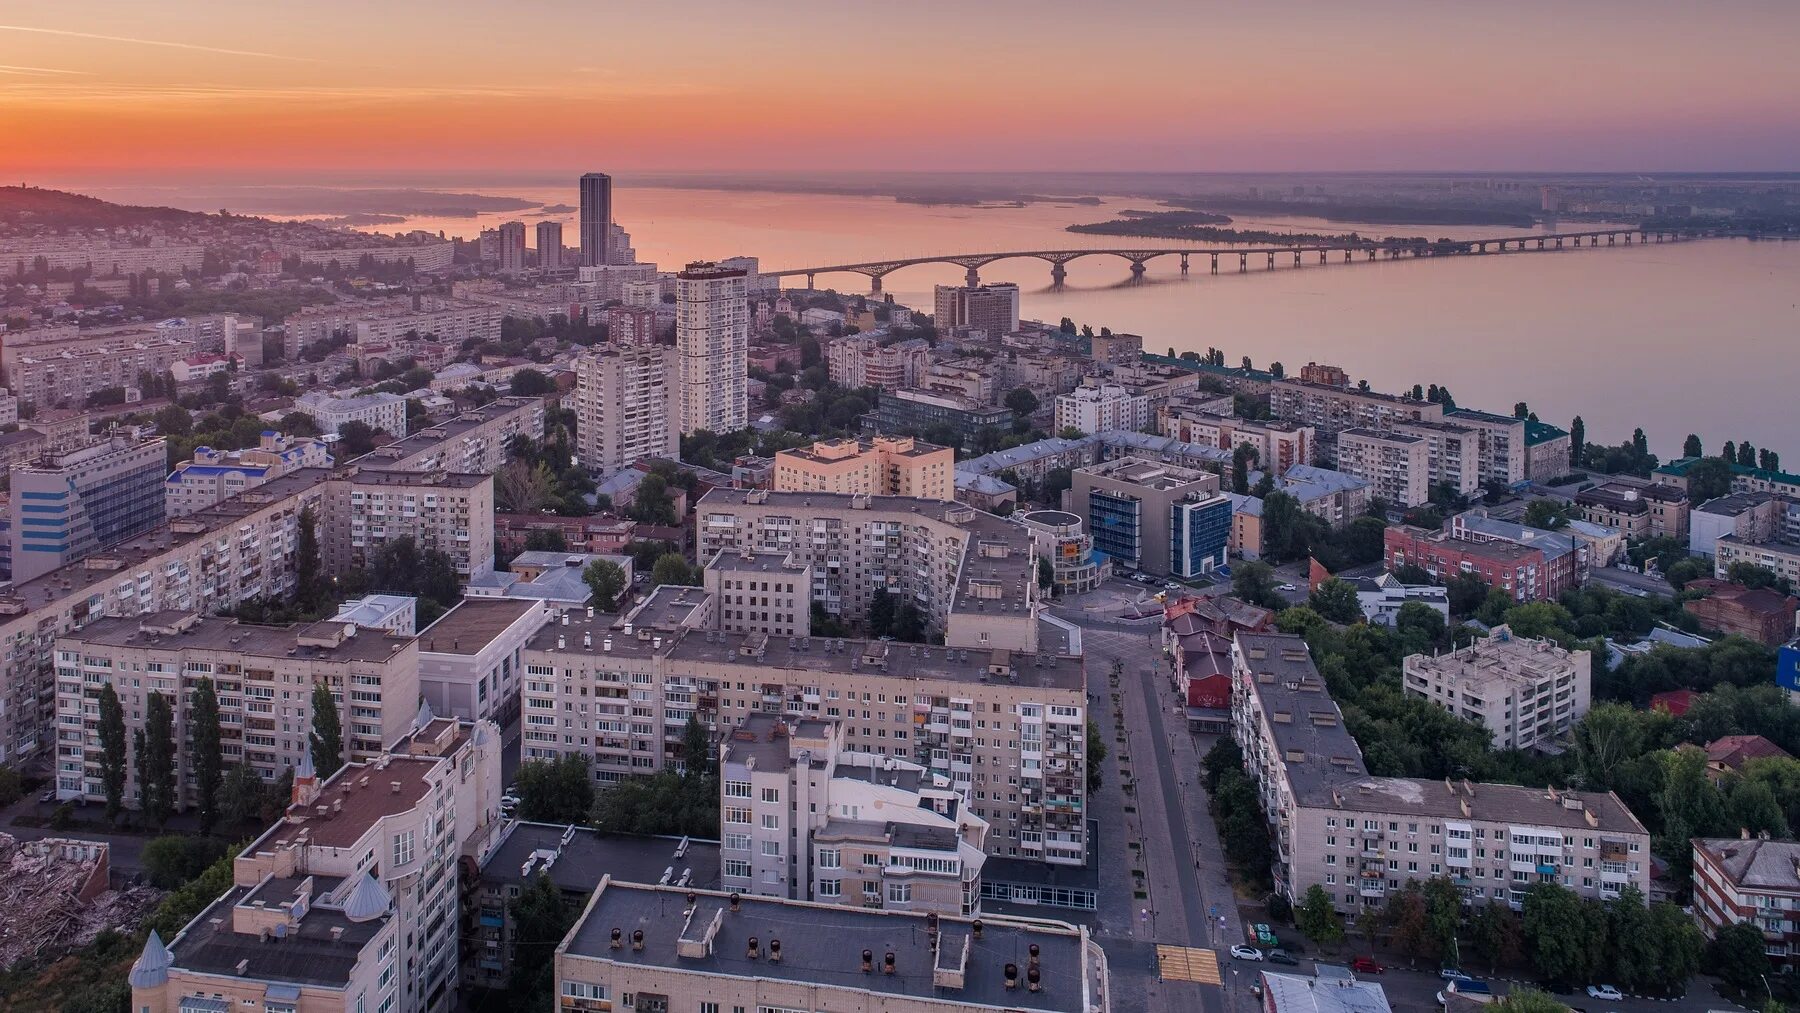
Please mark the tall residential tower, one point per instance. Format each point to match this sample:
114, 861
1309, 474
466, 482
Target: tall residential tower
712, 338
596, 219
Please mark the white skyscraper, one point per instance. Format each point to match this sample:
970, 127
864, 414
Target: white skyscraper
624, 406
712, 337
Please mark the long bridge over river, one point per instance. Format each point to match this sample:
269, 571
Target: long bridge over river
1349, 250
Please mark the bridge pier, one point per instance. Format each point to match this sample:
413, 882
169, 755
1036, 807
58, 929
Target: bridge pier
1540, 244
809, 280
1137, 270
1296, 258
1611, 239
1184, 263
1321, 256
1371, 253
1559, 244
1058, 273
1215, 263
1243, 262
874, 284
1271, 262
973, 278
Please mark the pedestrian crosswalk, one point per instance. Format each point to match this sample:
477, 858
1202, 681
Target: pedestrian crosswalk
1186, 963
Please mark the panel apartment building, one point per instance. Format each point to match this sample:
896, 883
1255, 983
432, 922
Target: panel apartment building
1005, 729
712, 337
861, 360
1362, 837
1523, 691
973, 574
627, 406
264, 677
219, 558
474, 442
877, 466
48, 374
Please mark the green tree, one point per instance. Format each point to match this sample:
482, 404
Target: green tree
1467, 593
1096, 756
1709, 477
1538, 619
174, 859
112, 750
1498, 936
1529, 1000
1254, 582
1691, 447
1562, 940
696, 749
1317, 919
1443, 915
1336, 600
155, 750
310, 589
1577, 443
1753, 807
555, 791
531, 382
1739, 955
671, 568
205, 754
173, 420
1022, 401
605, 579
1046, 574
1419, 622
541, 917
241, 796
1546, 514
1241, 456
1404, 914
327, 736
354, 440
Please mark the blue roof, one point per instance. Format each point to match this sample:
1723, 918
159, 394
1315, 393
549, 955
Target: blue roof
1542, 432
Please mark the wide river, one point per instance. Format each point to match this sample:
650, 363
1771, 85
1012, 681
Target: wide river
1677, 338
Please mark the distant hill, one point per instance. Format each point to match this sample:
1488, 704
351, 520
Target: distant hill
30, 205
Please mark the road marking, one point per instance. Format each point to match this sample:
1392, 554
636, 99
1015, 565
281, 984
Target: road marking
1187, 963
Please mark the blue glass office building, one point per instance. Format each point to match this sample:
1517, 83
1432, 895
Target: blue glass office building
1199, 530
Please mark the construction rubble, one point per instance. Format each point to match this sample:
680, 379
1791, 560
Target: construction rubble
55, 896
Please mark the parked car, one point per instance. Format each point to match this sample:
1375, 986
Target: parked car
1287, 587
1450, 974
1246, 953
1366, 965
1607, 993
48, 796
1279, 956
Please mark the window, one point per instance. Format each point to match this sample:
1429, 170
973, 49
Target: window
403, 848
899, 893
771, 849
734, 814
771, 794
738, 868
737, 842
830, 858
831, 888
583, 990
771, 821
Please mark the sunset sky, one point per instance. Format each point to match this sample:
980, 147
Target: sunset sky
109, 88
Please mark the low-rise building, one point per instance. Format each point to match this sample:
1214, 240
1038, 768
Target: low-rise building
1396, 465
216, 475
771, 954
1751, 880
380, 411
1382, 596
1780, 558
1320, 993
1749, 516
1762, 614
1162, 519
1525, 692
875, 466
1520, 570
1637, 510
1059, 536
913, 410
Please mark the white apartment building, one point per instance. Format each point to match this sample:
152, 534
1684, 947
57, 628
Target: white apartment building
450, 513
626, 406
471, 658
861, 360
102, 258
1396, 466
66, 372
973, 574
805, 818
1525, 692
1500, 443
752, 591
1104, 408
475, 442
1006, 730
1330, 409
712, 339
217, 475
381, 411
264, 677
1452, 453
1361, 837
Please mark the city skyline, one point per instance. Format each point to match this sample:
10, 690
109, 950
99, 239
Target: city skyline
1609, 86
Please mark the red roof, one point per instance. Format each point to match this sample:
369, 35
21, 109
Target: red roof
1733, 751
1676, 701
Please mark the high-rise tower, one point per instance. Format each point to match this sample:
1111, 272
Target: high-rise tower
596, 219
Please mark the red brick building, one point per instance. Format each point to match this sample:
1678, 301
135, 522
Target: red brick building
1519, 570
1762, 615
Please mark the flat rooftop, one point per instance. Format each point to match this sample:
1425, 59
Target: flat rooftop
577, 861
472, 625
403, 454
355, 798
669, 606
1148, 474
307, 955
754, 561
326, 640
822, 945
877, 657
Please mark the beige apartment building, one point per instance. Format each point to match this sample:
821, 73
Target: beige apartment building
1361, 837
1396, 466
1005, 729
1330, 409
474, 442
350, 903
264, 677
1525, 692
671, 948
1278, 445
1500, 443
973, 574
66, 372
625, 407
877, 466
219, 558
861, 360
1636, 509
805, 818
755, 591
1452, 453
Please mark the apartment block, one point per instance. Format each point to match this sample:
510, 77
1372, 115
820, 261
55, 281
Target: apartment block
973, 574
1522, 571
475, 442
712, 335
446, 512
1782, 558
923, 411
1638, 510
68, 506
1453, 454
1116, 349
1500, 443
1747, 516
774, 956
1093, 409
1547, 451
1754, 880
973, 380
1159, 518
66, 372
264, 677
217, 475
380, 411
1278, 445
877, 466
768, 592
1525, 692
806, 818
861, 360
625, 406
1331, 409
1361, 837
100, 258
993, 309
350, 903
1005, 729
1396, 466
